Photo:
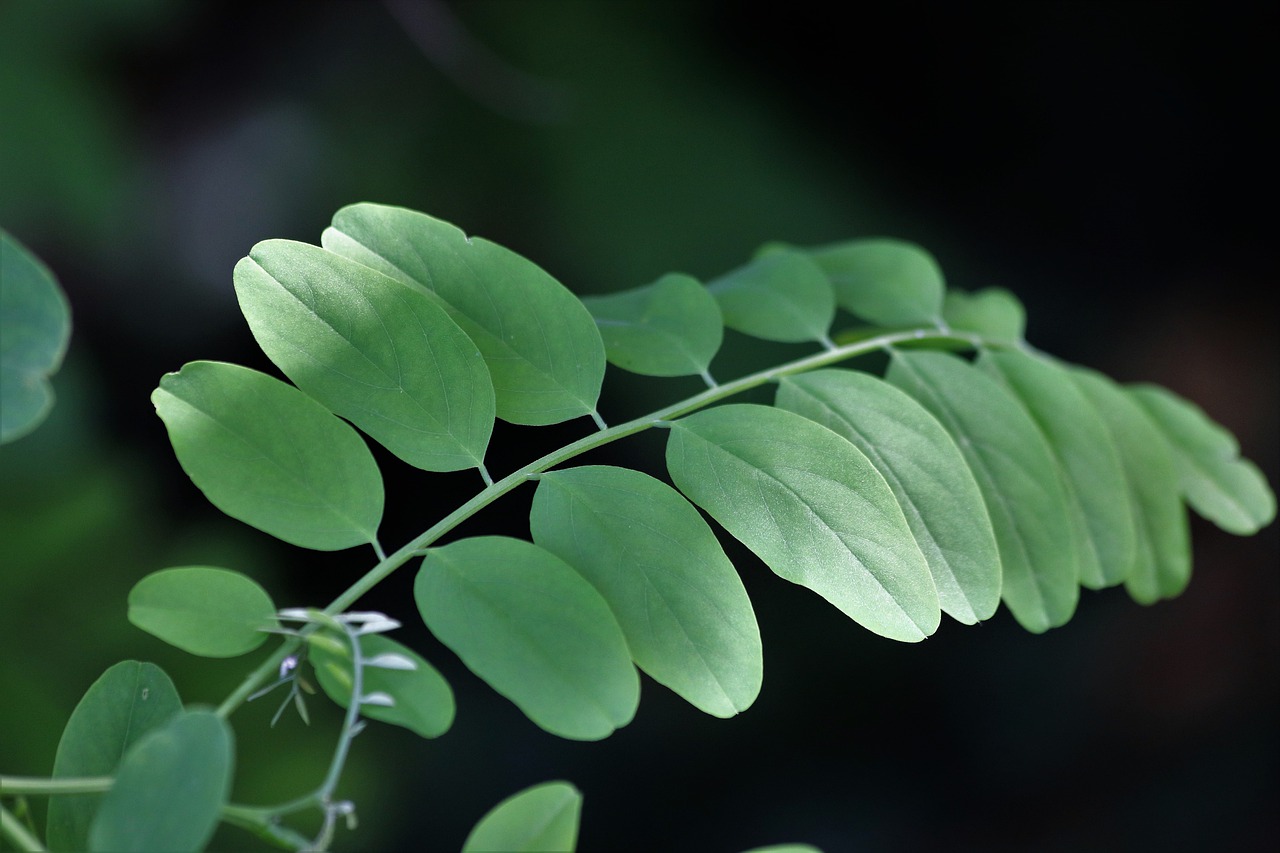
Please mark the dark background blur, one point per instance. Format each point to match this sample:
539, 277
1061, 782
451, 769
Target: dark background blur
1110, 163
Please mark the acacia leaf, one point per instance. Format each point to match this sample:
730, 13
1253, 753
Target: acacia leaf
530, 626
993, 312
543, 350
384, 356
169, 790
1218, 484
671, 327
778, 296
926, 471
884, 281
203, 610
1087, 455
1018, 476
269, 455
540, 819
423, 699
649, 553
812, 507
35, 326
127, 701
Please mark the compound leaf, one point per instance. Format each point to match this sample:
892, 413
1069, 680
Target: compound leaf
127, 701
169, 790
524, 621
35, 325
540, 819
778, 296
884, 281
382, 355
203, 610
928, 475
681, 605
1218, 484
269, 455
1018, 476
994, 313
812, 507
543, 351
671, 327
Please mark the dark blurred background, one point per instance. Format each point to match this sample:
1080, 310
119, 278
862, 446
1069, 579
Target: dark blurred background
1110, 163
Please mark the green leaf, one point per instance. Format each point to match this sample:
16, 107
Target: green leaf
1018, 476
539, 819
269, 455
681, 604
169, 790
206, 611
884, 281
1218, 484
926, 471
542, 347
785, 848
1162, 559
529, 625
127, 701
994, 313
423, 700
35, 326
780, 296
812, 507
1082, 444
382, 355
672, 327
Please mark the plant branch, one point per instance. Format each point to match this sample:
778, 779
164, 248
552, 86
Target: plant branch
44, 787
12, 829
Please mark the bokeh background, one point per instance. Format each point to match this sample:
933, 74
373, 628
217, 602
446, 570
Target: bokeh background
1112, 164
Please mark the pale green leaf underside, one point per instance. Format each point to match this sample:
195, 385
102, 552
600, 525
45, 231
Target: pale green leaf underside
926, 471
530, 626
1018, 476
542, 348
1162, 559
994, 313
269, 455
169, 790
812, 507
884, 281
779, 296
203, 610
1087, 455
681, 605
381, 354
423, 699
35, 326
127, 701
1217, 483
540, 819
672, 327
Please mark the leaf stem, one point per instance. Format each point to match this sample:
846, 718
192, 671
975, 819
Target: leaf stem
12, 829
44, 787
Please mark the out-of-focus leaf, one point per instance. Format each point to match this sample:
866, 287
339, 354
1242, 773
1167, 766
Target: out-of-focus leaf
540, 819
780, 296
994, 313
884, 281
203, 610
672, 327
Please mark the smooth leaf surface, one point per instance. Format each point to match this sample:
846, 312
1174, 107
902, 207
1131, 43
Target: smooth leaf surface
671, 327
269, 455
541, 345
524, 621
812, 507
423, 699
1087, 455
884, 281
540, 819
35, 326
1162, 559
169, 789
928, 475
1217, 483
779, 296
682, 607
203, 610
993, 312
128, 701
381, 354
1018, 476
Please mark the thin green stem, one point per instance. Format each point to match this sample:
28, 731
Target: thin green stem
46, 787
12, 829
